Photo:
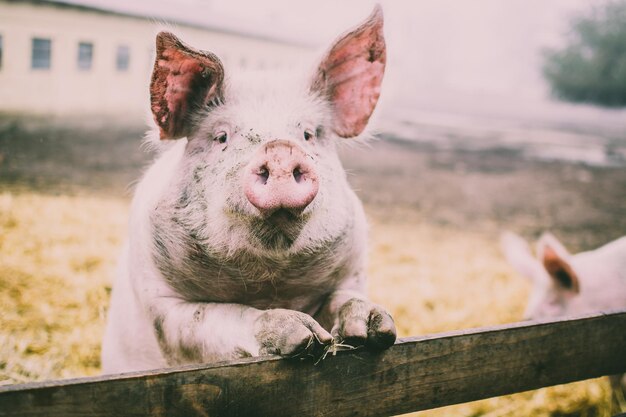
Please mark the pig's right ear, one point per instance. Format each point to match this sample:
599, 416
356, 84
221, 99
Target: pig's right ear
556, 261
184, 80
351, 73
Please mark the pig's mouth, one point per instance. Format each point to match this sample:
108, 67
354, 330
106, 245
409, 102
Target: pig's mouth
280, 229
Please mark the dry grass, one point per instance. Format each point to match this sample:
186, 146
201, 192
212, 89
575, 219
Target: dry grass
57, 256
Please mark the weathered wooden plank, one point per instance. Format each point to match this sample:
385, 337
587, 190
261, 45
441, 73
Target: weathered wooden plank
415, 374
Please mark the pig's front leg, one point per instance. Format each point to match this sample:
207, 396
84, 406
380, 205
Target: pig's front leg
288, 332
190, 332
356, 321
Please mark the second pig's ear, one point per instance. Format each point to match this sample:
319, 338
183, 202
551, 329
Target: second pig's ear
556, 260
351, 73
517, 252
184, 80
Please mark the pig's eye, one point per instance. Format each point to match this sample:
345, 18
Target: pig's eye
308, 134
221, 137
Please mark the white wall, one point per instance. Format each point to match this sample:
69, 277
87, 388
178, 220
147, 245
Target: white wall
65, 89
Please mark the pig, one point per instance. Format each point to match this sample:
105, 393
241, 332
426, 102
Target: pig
245, 237
565, 284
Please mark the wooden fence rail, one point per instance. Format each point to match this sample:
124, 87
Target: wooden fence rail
417, 373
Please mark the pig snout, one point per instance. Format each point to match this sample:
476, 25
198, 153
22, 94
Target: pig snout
280, 176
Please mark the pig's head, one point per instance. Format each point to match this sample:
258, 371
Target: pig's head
566, 284
260, 166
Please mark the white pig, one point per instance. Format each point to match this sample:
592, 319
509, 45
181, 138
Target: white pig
245, 237
565, 284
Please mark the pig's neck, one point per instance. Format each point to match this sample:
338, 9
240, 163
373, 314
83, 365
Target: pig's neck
298, 281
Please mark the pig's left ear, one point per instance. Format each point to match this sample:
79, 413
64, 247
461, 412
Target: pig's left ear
556, 260
351, 73
184, 80
520, 257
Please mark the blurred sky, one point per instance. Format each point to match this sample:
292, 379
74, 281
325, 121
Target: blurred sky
442, 53
475, 46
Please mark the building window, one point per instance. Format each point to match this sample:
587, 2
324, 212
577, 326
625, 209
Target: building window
85, 55
122, 59
41, 53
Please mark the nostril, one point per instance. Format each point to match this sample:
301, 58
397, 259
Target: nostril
263, 174
297, 174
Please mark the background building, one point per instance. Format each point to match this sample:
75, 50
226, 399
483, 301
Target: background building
60, 58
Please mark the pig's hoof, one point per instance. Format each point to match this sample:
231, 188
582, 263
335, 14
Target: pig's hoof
289, 333
362, 323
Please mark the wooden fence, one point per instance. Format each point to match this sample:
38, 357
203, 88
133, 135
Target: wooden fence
415, 374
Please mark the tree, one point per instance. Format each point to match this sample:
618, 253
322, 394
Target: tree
592, 65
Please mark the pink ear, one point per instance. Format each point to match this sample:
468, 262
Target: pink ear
183, 80
560, 270
351, 74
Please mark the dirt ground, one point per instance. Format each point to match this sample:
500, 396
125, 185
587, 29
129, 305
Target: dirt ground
485, 191
435, 217
482, 190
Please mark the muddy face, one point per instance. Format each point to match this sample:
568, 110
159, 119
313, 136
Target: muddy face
242, 180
